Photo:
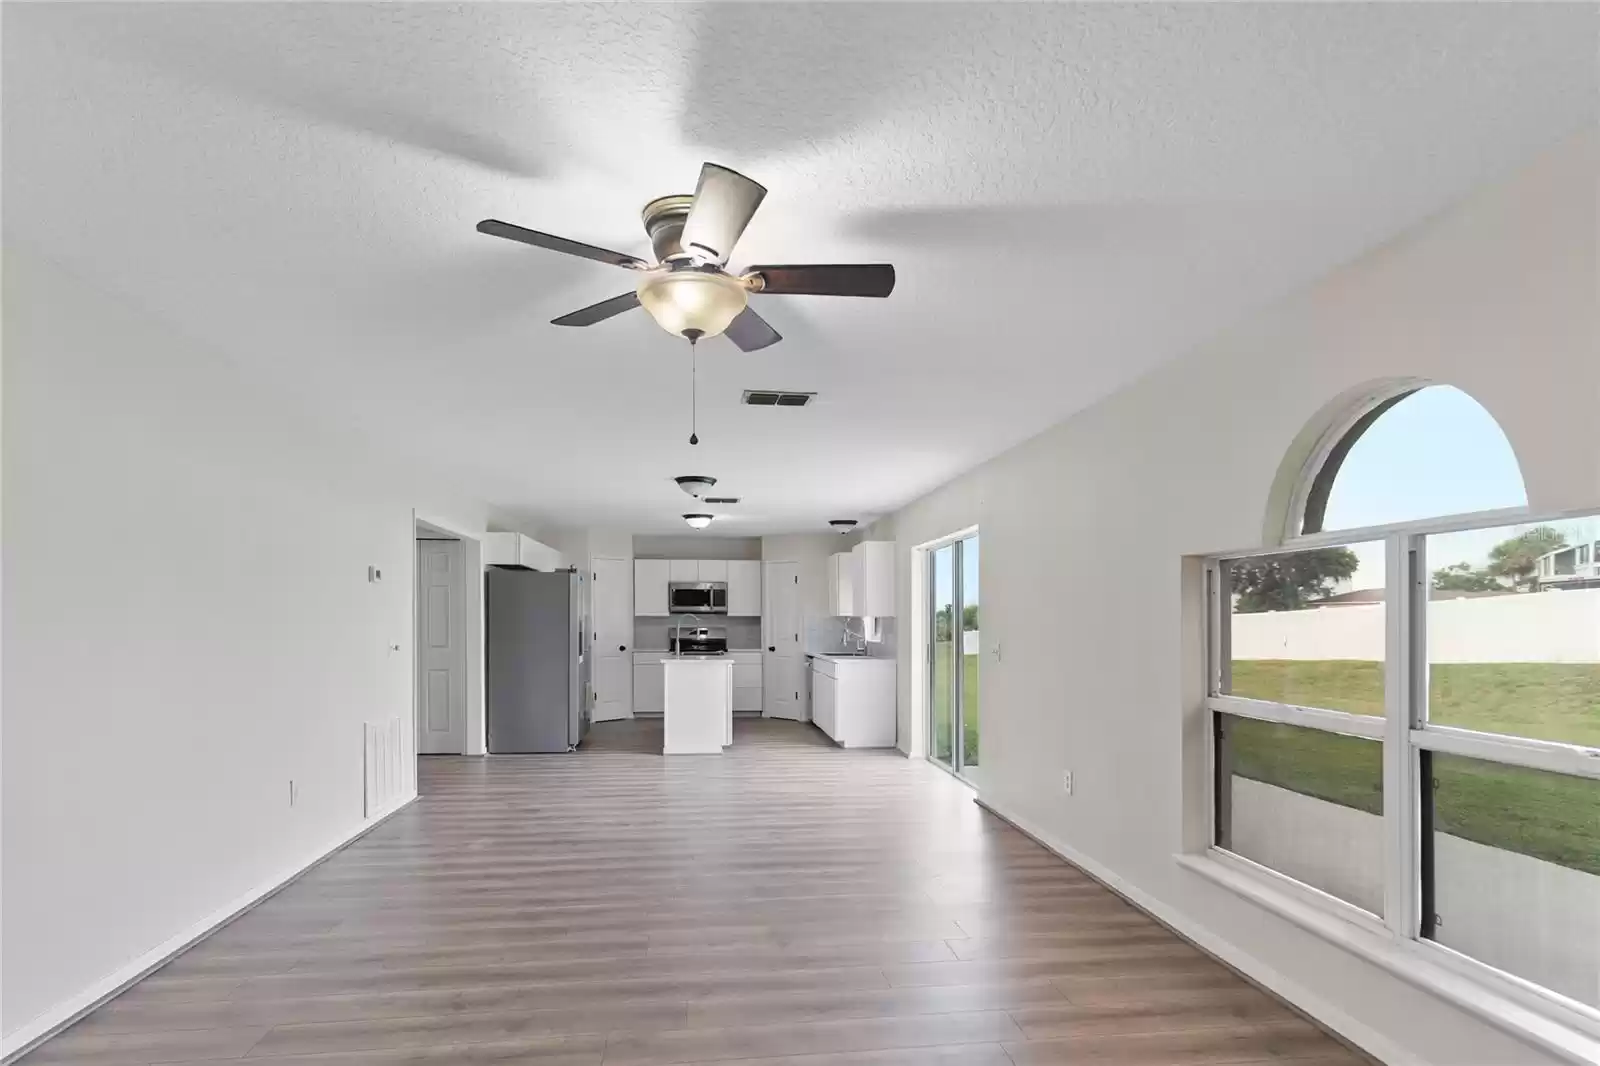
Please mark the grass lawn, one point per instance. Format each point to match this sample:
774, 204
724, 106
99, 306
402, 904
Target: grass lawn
941, 705
1549, 816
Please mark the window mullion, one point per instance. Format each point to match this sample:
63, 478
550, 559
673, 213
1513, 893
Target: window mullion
1405, 693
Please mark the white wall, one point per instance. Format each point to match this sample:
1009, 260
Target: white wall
1101, 669
1529, 917
1550, 627
695, 547
187, 627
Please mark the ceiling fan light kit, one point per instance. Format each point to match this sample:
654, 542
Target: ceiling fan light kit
698, 521
692, 302
696, 485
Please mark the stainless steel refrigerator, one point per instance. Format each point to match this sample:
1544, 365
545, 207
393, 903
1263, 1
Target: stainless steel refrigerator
536, 674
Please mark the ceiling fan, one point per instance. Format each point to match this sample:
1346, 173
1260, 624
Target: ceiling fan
688, 290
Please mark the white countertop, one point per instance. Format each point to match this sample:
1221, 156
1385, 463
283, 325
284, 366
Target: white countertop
848, 658
724, 658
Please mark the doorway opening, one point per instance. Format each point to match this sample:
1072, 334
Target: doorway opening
953, 645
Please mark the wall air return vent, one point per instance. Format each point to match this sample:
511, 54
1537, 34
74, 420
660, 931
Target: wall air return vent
776, 398
719, 499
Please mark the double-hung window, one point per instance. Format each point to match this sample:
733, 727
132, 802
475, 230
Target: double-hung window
1405, 709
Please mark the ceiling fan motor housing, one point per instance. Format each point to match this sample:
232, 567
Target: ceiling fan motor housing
663, 221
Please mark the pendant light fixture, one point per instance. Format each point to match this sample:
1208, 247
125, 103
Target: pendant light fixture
698, 521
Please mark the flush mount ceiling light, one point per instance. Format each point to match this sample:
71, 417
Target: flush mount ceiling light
698, 521
696, 485
842, 525
688, 290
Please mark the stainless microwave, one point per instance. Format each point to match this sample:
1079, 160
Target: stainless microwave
698, 597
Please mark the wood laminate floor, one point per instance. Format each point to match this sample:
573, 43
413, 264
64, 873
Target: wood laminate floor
788, 904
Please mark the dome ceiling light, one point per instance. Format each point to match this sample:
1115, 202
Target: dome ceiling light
842, 525
696, 485
698, 521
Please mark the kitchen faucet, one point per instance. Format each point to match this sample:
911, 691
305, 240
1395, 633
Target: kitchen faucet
861, 641
677, 632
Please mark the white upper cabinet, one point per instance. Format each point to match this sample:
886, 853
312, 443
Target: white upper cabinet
684, 569
515, 549
744, 586
841, 585
872, 576
713, 570
650, 577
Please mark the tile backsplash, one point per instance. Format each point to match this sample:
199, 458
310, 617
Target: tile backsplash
825, 636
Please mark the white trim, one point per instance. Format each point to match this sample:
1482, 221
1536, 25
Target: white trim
948, 538
1405, 687
475, 734
1309, 895
1360, 407
1329, 721
1325, 1012
1554, 756
41, 1028
1531, 1014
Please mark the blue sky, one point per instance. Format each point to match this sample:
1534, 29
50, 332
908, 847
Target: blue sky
942, 567
1435, 453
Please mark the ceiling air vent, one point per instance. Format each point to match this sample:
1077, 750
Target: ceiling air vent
719, 499
774, 398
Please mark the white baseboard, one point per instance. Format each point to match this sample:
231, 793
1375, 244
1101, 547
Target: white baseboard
1325, 1013
33, 1033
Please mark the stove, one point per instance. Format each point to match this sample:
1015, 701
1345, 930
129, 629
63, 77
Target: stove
697, 642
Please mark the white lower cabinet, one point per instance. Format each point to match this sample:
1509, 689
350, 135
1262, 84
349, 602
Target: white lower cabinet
746, 680
822, 702
649, 683
650, 686
853, 701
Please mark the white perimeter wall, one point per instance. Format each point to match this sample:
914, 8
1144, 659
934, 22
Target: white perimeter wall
1101, 669
187, 626
1529, 917
1547, 627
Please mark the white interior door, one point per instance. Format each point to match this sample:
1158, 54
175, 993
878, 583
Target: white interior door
441, 651
781, 663
612, 597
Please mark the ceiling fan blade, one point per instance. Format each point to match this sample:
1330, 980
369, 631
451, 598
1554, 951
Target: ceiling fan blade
851, 279
751, 332
724, 203
495, 228
588, 316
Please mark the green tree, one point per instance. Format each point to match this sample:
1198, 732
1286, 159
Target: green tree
1461, 577
1515, 560
969, 616
1291, 581
941, 625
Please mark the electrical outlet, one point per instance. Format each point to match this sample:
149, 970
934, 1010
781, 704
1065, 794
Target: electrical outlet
1066, 782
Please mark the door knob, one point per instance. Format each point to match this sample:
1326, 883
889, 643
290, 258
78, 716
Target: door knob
773, 647
622, 647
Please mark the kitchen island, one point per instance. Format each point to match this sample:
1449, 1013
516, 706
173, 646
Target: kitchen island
698, 716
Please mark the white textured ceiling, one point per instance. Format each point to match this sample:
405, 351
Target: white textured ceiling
1071, 194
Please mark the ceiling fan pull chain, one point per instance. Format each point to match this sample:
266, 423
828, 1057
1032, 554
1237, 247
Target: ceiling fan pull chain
694, 392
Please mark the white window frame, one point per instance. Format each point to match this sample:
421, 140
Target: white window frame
1557, 1023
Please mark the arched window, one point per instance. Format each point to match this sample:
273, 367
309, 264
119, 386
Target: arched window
1405, 695
1424, 453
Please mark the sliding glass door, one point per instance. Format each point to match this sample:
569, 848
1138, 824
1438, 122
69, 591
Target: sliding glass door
953, 655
